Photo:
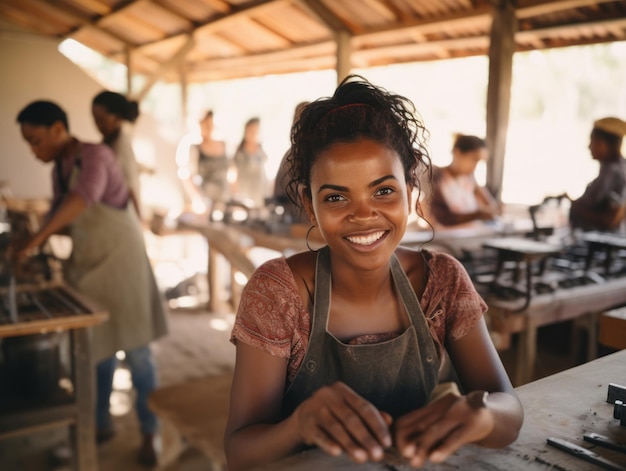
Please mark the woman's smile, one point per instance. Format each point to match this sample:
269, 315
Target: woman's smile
366, 239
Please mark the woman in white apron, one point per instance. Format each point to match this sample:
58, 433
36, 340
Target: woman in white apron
108, 263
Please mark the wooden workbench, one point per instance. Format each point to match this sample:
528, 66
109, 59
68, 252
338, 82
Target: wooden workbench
565, 405
504, 317
76, 410
234, 241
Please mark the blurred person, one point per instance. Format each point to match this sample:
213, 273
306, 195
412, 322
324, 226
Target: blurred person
110, 110
250, 160
108, 262
456, 198
603, 204
211, 165
292, 212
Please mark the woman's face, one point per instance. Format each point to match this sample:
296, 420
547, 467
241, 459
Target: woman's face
45, 142
251, 132
106, 122
206, 127
359, 201
465, 163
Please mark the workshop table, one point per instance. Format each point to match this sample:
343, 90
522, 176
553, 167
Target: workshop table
565, 405
505, 317
234, 241
77, 410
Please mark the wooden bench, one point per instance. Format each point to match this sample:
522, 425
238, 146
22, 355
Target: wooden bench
198, 410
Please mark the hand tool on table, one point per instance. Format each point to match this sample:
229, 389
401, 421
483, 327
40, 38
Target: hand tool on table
615, 392
585, 454
604, 441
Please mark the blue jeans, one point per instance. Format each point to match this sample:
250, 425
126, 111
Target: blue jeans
143, 375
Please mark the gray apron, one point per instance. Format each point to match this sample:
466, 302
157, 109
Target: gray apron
109, 264
396, 376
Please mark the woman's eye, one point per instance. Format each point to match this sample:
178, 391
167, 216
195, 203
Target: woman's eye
385, 191
334, 198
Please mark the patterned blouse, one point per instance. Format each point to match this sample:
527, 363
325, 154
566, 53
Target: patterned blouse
273, 318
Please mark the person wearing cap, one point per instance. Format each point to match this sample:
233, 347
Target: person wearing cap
602, 206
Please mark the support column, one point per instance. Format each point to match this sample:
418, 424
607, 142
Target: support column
184, 96
344, 52
129, 72
501, 49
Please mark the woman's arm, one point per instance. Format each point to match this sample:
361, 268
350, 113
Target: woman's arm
335, 418
71, 207
437, 430
254, 433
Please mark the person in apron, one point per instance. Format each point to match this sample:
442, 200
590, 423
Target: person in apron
110, 111
342, 347
108, 262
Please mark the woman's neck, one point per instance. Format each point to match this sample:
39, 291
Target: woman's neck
362, 285
68, 149
109, 139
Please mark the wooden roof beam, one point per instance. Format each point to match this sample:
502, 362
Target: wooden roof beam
324, 14
618, 23
482, 13
174, 61
545, 7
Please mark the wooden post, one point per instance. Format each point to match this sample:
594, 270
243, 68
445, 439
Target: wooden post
501, 49
344, 52
184, 96
129, 72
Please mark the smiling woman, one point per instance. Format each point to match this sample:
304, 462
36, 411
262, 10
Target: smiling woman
341, 349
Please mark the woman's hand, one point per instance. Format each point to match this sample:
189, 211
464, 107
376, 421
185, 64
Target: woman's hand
337, 420
439, 429
21, 248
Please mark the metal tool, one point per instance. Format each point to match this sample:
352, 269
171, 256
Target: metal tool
585, 454
604, 441
12, 300
615, 392
35, 299
65, 301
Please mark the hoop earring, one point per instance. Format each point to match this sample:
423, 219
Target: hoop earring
306, 238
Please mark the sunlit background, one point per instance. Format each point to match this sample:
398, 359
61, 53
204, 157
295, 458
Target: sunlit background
556, 95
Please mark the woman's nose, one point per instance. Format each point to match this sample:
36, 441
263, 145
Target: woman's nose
362, 210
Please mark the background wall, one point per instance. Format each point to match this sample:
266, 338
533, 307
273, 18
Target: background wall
32, 69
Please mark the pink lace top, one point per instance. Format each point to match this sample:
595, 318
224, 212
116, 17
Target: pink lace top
273, 318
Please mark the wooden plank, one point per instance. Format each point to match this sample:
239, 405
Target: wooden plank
93, 314
501, 49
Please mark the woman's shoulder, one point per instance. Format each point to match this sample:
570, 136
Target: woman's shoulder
92, 150
430, 263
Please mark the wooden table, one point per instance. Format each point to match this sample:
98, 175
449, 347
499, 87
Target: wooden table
20, 416
565, 405
234, 241
521, 252
505, 317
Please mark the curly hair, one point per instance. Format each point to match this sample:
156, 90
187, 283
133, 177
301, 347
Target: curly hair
357, 110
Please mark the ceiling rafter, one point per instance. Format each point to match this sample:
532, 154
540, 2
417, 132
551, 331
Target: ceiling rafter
377, 31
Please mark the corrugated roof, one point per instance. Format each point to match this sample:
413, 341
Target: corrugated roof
225, 39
